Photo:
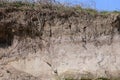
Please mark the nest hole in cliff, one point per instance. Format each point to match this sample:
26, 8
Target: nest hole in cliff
6, 36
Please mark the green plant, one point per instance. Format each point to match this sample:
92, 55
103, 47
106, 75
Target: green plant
102, 78
86, 79
104, 12
116, 12
78, 79
91, 11
2, 4
77, 8
69, 79
17, 4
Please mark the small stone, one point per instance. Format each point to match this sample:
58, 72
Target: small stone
1, 74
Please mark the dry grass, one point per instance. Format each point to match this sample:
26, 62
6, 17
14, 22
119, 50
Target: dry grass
54, 6
60, 8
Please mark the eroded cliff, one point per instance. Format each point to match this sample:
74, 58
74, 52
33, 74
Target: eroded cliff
48, 44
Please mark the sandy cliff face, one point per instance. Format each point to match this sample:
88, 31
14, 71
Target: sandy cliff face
45, 45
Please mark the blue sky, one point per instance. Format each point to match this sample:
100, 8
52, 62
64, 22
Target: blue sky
108, 5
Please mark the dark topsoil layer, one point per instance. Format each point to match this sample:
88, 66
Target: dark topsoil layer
29, 20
